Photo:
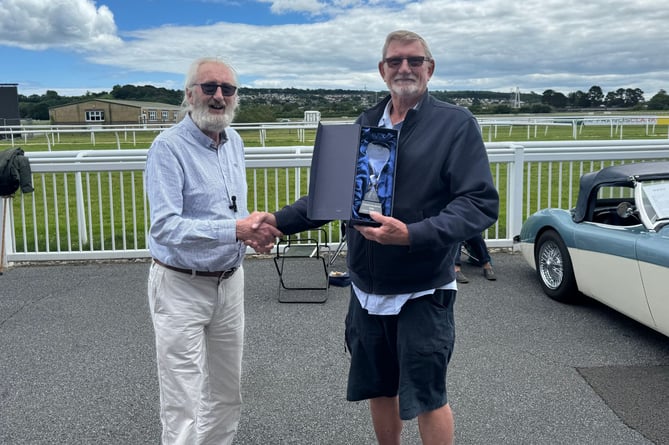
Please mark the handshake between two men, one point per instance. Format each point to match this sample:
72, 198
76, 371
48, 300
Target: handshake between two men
258, 231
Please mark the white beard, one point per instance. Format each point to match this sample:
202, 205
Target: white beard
212, 122
405, 90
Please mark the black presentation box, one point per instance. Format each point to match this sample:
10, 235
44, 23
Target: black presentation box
352, 173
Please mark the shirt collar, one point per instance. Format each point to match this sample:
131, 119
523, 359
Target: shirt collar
202, 138
385, 120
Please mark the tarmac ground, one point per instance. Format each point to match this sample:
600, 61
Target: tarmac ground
77, 363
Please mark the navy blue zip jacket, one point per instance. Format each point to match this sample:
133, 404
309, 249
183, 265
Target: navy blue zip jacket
444, 193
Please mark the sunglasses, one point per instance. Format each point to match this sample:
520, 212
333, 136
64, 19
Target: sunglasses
414, 62
210, 88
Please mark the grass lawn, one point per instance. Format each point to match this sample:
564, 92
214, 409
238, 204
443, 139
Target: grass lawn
117, 216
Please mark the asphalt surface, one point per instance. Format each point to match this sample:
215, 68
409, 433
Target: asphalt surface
77, 363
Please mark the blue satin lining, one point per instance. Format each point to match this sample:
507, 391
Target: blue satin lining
385, 184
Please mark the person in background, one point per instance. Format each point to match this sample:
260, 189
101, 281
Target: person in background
478, 255
200, 226
400, 328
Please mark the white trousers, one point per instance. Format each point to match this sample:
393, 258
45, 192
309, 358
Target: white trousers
199, 327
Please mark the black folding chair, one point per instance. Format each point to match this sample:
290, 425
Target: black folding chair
341, 245
301, 264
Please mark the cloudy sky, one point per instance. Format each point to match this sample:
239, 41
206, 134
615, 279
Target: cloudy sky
74, 46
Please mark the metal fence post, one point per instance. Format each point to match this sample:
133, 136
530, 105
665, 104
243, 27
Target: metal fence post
81, 208
7, 234
515, 196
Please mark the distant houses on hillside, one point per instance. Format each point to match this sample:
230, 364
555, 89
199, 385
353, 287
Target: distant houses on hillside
125, 112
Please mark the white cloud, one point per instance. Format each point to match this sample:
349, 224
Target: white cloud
565, 45
283, 6
328, 7
73, 24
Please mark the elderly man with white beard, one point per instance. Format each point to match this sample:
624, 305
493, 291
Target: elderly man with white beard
200, 227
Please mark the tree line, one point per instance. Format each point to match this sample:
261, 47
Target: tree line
264, 105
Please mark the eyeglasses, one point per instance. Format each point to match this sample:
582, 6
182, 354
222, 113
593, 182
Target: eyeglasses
210, 88
414, 62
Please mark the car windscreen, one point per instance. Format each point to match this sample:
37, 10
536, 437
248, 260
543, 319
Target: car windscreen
655, 199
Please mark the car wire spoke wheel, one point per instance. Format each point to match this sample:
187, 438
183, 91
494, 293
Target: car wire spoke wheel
551, 267
554, 268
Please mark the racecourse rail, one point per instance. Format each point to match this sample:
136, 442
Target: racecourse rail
91, 204
490, 126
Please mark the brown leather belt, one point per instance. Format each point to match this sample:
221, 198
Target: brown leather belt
221, 275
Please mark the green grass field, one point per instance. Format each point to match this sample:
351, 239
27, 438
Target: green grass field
111, 223
282, 137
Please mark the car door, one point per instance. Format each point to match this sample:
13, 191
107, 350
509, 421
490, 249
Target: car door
653, 254
606, 267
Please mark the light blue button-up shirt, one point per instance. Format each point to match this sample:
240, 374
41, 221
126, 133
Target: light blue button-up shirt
190, 184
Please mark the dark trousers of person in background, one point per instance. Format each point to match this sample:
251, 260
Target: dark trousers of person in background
478, 255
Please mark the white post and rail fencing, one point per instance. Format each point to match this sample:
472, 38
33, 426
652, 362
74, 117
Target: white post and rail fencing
91, 204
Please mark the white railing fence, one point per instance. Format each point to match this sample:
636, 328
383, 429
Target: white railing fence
91, 204
491, 127
126, 134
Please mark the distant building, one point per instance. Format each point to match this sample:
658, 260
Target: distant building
113, 112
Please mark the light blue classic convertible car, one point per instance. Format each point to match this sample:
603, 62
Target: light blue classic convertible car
613, 246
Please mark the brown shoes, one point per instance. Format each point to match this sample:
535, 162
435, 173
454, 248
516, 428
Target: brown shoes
460, 277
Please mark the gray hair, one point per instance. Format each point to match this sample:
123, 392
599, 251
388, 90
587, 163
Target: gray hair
405, 37
191, 76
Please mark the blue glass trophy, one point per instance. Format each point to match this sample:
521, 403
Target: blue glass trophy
377, 158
